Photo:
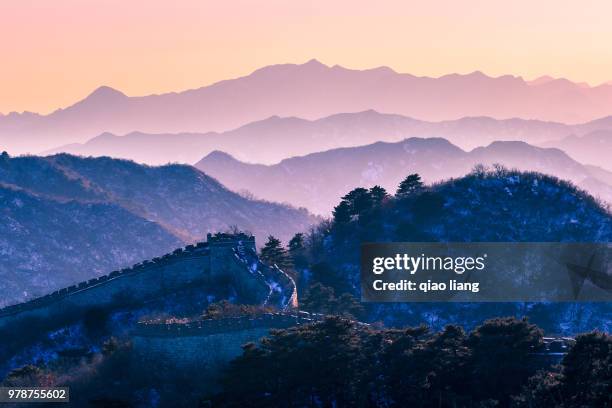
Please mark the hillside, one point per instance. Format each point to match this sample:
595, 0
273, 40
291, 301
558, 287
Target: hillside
69, 218
311, 90
181, 198
273, 139
46, 244
494, 206
316, 181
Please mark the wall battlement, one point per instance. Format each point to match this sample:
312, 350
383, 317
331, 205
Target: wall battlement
223, 257
190, 251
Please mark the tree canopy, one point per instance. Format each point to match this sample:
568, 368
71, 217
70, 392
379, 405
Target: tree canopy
410, 185
338, 362
274, 253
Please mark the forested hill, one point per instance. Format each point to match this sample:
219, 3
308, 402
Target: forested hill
181, 198
67, 219
46, 244
485, 206
315, 181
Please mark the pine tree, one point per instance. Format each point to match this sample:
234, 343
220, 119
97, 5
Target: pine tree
297, 242
410, 185
273, 252
4, 158
297, 250
342, 213
359, 200
378, 194
322, 299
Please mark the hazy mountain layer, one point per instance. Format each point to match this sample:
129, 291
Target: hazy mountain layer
310, 90
271, 140
316, 181
592, 148
181, 198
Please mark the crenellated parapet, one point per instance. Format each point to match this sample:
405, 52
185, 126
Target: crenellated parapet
181, 254
196, 251
223, 259
222, 239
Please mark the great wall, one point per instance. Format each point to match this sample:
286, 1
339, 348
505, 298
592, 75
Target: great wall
223, 257
209, 343
203, 343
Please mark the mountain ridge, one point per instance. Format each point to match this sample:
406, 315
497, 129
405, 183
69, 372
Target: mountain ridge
311, 90
594, 147
317, 180
275, 138
66, 219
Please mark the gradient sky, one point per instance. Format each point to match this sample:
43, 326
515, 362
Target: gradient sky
56, 52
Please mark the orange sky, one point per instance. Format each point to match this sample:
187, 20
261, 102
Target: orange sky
53, 53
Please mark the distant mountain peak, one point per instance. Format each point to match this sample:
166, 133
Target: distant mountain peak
478, 74
541, 80
310, 90
313, 62
105, 92
384, 69
428, 141
312, 65
218, 155
547, 79
513, 143
103, 136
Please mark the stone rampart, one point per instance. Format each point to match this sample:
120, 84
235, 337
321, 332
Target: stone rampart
207, 345
181, 268
220, 260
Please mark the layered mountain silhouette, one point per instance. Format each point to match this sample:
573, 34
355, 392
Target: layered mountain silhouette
316, 181
311, 90
66, 219
271, 140
593, 148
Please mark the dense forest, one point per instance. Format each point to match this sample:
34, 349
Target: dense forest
338, 362
488, 205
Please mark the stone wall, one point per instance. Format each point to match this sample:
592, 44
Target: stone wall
184, 267
282, 288
220, 260
207, 345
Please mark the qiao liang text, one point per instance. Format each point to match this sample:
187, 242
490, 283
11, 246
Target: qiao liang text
425, 287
